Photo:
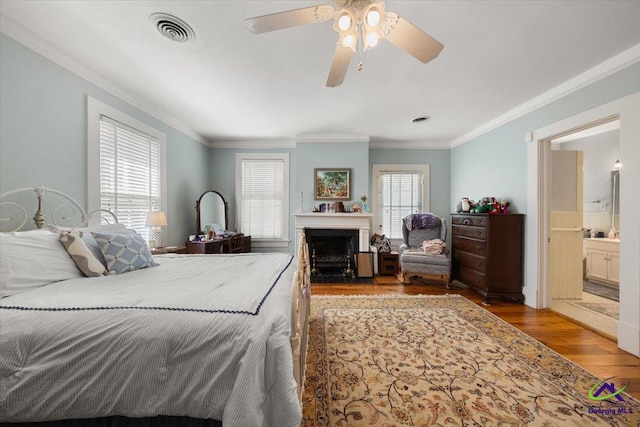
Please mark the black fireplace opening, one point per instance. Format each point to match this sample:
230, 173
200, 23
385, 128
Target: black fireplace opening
332, 253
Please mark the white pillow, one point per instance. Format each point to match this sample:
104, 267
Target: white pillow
29, 259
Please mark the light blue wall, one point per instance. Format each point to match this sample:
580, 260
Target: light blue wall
495, 164
352, 155
43, 135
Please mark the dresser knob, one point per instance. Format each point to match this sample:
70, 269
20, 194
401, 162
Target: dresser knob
466, 221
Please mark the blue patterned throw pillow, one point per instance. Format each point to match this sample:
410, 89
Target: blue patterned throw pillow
124, 252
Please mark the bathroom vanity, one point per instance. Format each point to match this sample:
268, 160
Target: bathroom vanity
603, 260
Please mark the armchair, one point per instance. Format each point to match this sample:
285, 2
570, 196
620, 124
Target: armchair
414, 259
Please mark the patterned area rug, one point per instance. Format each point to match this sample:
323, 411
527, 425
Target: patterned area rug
608, 309
442, 361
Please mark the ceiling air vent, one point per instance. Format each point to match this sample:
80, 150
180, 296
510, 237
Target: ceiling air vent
173, 28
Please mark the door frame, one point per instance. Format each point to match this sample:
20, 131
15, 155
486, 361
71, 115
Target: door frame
536, 288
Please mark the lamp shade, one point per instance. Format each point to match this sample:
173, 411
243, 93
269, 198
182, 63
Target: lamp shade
156, 219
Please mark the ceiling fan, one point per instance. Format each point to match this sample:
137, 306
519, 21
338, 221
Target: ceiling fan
361, 25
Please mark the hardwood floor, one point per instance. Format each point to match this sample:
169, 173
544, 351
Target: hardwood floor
593, 352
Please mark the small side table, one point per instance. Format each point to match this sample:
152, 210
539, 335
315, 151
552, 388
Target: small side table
169, 250
388, 263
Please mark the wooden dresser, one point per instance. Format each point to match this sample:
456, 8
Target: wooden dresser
488, 253
217, 246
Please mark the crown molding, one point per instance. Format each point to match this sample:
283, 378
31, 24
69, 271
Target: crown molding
600, 71
305, 138
22, 35
254, 143
409, 145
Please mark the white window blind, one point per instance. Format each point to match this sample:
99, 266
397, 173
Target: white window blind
400, 195
263, 198
130, 183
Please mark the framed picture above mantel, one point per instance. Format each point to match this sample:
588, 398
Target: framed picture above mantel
332, 184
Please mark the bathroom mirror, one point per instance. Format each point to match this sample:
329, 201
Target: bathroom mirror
615, 197
211, 208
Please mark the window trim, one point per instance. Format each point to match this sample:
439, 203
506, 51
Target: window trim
265, 243
96, 109
378, 170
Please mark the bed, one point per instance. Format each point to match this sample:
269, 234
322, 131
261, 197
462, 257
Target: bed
197, 337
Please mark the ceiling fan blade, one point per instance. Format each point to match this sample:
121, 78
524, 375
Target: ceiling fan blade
290, 18
414, 41
339, 66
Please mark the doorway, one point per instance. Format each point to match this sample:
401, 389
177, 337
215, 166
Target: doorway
584, 249
536, 288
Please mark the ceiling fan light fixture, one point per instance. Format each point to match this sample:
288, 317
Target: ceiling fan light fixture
344, 22
349, 41
372, 38
361, 25
373, 17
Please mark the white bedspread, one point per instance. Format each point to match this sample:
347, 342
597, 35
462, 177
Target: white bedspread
200, 336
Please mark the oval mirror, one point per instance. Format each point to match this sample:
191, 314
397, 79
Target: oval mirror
211, 210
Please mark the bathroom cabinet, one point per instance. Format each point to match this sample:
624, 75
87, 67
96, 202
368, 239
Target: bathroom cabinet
603, 260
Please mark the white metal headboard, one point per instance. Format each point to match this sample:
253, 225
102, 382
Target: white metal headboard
14, 215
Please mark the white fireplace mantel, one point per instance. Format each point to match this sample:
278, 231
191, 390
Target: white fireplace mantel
350, 221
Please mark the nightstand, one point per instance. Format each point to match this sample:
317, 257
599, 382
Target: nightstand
169, 250
388, 263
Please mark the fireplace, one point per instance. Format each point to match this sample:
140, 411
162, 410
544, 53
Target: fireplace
358, 224
332, 252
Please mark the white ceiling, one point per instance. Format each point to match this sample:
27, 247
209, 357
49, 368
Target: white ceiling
231, 85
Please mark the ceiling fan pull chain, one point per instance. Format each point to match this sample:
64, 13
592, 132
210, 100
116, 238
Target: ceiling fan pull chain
360, 42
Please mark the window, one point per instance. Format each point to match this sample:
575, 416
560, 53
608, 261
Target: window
262, 194
128, 156
401, 190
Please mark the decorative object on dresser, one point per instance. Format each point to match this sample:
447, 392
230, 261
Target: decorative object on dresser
488, 253
332, 184
419, 230
215, 246
169, 250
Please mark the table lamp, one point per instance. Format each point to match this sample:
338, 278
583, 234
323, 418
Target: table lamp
156, 220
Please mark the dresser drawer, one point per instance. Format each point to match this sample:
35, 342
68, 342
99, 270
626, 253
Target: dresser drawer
478, 221
475, 232
472, 278
474, 262
477, 247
